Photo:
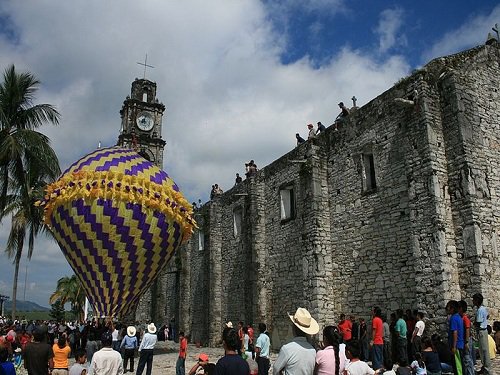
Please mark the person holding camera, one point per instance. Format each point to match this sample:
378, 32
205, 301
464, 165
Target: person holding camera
202, 366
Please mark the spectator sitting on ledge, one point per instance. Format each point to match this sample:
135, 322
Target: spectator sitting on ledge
299, 139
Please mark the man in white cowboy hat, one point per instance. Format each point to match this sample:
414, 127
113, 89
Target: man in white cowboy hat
146, 350
298, 357
129, 342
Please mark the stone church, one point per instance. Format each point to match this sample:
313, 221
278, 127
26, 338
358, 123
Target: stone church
399, 208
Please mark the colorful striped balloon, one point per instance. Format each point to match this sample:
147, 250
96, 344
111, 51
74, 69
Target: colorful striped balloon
118, 220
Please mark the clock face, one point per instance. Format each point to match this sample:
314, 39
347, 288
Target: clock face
145, 121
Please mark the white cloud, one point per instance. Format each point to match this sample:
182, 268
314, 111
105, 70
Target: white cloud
218, 71
389, 29
470, 34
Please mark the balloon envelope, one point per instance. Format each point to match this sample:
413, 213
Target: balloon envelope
118, 220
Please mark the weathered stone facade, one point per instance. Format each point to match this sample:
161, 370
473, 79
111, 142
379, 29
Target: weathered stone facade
398, 208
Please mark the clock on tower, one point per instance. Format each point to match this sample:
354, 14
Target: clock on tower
141, 126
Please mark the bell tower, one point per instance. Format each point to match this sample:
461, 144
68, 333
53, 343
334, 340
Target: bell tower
141, 127
141, 122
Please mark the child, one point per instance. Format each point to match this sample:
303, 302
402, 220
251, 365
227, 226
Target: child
356, 366
403, 368
79, 367
418, 365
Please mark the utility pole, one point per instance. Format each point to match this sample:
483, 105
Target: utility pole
2, 300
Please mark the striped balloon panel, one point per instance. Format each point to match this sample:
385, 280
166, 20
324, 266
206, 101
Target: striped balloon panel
116, 248
121, 160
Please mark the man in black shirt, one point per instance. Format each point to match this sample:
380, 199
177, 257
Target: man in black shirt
38, 355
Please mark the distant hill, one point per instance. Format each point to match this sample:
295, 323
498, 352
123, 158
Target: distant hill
24, 306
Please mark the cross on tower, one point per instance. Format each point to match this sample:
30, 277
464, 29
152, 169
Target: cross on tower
145, 64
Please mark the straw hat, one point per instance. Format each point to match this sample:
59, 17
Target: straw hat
151, 328
131, 331
304, 321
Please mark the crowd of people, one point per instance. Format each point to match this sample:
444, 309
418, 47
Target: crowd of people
312, 133
98, 347
216, 190
251, 167
399, 345
352, 347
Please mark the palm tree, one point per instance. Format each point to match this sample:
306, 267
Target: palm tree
27, 162
70, 289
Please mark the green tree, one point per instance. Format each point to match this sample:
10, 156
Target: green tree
57, 311
70, 290
27, 163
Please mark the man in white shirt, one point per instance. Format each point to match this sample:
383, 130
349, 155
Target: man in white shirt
416, 338
106, 361
298, 357
146, 350
481, 324
312, 132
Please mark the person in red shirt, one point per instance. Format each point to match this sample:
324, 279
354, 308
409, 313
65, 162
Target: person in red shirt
345, 328
180, 366
469, 350
377, 342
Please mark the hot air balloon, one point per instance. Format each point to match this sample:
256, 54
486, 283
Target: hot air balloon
118, 220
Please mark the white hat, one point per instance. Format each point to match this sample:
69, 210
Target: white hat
304, 321
229, 324
151, 328
131, 331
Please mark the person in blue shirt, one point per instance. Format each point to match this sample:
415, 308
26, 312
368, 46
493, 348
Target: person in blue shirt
6, 367
262, 350
456, 339
129, 342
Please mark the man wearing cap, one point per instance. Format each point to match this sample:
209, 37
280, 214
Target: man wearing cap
106, 361
146, 350
201, 365
129, 342
312, 132
298, 356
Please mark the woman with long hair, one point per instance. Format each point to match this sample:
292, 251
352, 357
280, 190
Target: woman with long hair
61, 351
327, 359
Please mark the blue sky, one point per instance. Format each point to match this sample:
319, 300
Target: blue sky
238, 78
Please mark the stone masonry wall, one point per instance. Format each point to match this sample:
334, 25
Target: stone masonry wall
425, 234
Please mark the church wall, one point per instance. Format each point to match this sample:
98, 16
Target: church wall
426, 234
471, 115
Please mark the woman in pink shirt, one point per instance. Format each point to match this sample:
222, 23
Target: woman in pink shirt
327, 360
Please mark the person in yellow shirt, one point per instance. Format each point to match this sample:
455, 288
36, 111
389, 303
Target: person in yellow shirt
61, 351
492, 347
